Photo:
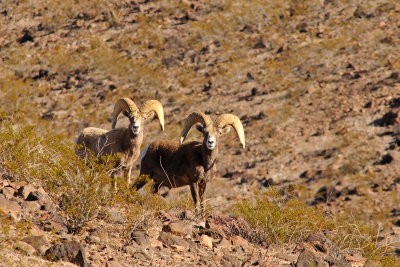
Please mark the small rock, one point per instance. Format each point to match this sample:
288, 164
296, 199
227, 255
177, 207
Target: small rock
10, 207
145, 253
36, 241
319, 241
25, 248
130, 250
34, 195
70, 251
239, 241
25, 190
179, 228
113, 263
30, 206
173, 241
93, 239
309, 258
386, 159
96, 256
206, 241
234, 261
187, 214
141, 239
26, 36
115, 216
8, 192
155, 243
391, 118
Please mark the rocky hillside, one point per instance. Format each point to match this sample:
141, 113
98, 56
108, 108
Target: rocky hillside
315, 83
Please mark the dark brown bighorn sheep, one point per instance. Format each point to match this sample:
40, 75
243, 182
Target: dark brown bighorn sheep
126, 141
174, 164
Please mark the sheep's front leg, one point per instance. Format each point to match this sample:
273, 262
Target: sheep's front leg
128, 178
202, 191
194, 189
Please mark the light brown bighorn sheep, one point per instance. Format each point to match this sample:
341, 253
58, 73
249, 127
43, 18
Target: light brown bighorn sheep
125, 141
174, 164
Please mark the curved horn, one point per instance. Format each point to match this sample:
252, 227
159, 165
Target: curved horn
234, 121
122, 105
192, 119
156, 106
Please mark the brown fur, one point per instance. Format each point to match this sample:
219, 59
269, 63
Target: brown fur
102, 142
172, 164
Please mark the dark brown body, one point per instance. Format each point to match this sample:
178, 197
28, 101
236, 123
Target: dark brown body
172, 164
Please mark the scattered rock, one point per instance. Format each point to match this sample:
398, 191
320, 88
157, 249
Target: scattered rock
386, 159
26, 37
155, 243
173, 241
25, 190
94, 239
178, 228
239, 241
309, 258
141, 239
34, 195
390, 118
58, 227
10, 207
187, 214
70, 251
114, 263
25, 248
30, 206
8, 192
206, 241
319, 241
115, 216
36, 241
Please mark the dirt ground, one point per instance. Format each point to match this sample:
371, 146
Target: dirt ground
316, 85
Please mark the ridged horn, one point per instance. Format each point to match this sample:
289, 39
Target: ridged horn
156, 106
122, 105
191, 120
234, 121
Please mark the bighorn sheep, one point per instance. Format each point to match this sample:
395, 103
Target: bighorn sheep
126, 141
173, 164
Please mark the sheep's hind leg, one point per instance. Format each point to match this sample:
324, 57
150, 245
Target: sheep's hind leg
194, 189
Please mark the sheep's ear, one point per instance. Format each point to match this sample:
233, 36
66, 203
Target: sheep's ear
199, 128
224, 130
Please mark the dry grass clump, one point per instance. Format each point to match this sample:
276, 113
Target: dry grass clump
280, 219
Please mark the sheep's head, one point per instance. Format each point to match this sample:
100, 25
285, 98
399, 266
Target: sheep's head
212, 130
137, 115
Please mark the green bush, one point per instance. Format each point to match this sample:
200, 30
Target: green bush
280, 219
80, 188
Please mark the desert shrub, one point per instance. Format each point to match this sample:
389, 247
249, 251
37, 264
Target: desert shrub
139, 209
80, 188
280, 219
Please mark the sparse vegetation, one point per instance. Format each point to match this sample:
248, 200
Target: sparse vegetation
308, 77
281, 219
